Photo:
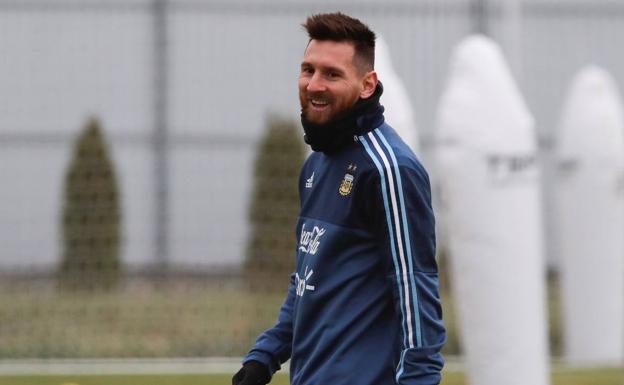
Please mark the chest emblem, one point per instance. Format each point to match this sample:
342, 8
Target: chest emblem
347, 182
346, 185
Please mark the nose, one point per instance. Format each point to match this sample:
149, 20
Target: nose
316, 83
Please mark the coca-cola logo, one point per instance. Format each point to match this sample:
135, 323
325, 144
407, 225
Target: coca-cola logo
310, 241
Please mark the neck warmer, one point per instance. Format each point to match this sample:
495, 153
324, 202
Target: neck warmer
341, 131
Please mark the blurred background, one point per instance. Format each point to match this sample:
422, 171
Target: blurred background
149, 155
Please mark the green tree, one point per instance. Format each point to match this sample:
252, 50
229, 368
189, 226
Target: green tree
91, 216
274, 206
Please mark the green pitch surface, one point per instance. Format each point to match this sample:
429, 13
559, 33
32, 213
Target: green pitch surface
580, 377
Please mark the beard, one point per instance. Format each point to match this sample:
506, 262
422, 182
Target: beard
344, 124
333, 108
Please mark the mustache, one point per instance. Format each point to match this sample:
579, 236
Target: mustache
318, 95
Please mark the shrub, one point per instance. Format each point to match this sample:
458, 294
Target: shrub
91, 216
274, 206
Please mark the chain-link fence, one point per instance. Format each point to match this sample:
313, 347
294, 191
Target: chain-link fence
165, 231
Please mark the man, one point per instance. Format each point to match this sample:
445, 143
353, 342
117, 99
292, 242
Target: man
363, 305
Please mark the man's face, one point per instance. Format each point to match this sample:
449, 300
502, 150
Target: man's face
330, 82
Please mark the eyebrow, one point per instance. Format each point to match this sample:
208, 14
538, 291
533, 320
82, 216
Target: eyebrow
325, 68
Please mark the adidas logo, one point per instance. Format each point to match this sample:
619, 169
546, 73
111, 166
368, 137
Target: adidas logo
309, 181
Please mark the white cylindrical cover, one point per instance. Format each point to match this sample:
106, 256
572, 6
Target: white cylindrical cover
489, 178
398, 108
590, 219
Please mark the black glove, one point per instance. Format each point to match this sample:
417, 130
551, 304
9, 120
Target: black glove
252, 373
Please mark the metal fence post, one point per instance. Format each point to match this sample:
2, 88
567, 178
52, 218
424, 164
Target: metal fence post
479, 14
512, 35
161, 136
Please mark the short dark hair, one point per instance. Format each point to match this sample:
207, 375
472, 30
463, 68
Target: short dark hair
342, 28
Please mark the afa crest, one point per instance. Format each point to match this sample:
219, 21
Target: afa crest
347, 185
347, 182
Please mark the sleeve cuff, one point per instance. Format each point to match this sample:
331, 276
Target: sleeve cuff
263, 358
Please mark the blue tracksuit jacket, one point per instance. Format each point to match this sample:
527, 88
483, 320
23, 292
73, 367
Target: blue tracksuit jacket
363, 306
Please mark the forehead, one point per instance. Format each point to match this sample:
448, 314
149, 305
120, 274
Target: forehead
329, 53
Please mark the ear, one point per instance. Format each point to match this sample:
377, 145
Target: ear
369, 84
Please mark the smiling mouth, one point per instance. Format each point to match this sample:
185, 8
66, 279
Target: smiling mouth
319, 103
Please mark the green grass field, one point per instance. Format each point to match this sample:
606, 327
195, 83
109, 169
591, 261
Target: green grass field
176, 319
181, 319
582, 377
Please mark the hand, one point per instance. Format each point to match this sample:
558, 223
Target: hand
252, 373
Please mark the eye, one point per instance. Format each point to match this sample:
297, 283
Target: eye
307, 70
333, 75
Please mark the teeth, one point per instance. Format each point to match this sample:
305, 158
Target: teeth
322, 102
